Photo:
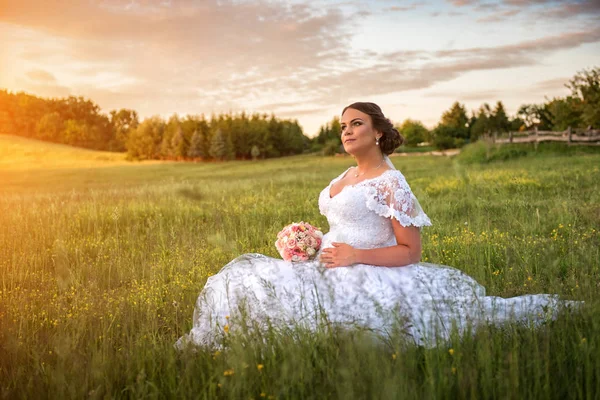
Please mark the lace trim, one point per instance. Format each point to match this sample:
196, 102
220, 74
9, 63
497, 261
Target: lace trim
392, 198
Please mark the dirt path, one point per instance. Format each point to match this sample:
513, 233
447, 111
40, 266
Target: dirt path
449, 152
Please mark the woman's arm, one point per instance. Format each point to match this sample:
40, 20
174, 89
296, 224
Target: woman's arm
407, 251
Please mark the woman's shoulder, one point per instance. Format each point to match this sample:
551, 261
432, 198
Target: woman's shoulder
390, 178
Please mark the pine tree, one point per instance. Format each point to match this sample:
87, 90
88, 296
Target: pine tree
255, 152
178, 145
196, 149
499, 119
218, 146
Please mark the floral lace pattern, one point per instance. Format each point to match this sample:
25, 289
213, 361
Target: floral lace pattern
426, 300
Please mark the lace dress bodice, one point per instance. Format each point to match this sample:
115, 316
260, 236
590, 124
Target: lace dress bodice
360, 214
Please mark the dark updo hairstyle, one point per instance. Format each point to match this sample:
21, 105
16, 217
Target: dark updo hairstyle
390, 138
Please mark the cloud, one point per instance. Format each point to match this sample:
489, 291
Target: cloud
300, 112
500, 16
409, 7
44, 89
41, 76
553, 84
462, 3
481, 96
397, 73
211, 56
544, 9
572, 9
229, 52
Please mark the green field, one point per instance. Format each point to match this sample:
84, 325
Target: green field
100, 269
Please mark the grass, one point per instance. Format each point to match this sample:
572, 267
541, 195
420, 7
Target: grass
19, 153
482, 151
100, 269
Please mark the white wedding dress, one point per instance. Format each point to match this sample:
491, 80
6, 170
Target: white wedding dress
425, 300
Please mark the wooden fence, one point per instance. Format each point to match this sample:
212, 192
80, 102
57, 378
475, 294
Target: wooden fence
590, 137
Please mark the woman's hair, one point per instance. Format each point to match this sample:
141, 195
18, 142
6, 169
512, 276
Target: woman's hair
390, 138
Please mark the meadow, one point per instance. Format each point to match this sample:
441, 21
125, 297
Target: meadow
100, 267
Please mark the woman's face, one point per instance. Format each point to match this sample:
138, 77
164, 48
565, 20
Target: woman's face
357, 133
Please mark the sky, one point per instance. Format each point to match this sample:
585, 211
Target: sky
300, 59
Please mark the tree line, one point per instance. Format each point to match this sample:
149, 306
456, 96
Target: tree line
581, 109
73, 120
222, 137
77, 121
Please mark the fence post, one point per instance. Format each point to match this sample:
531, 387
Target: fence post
495, 136
569, 132
537, 137
510, 137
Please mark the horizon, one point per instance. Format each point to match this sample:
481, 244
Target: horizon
295, 60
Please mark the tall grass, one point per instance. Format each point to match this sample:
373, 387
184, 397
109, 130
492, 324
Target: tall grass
100, 269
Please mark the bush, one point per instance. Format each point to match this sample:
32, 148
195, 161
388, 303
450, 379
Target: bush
447, 137
331, 147
482, 152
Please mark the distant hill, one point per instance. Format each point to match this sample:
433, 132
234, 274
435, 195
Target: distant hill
22, 153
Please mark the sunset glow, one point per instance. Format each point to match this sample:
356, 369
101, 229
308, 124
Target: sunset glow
297, 59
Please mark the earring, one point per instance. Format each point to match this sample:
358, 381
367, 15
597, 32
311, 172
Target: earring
377, 141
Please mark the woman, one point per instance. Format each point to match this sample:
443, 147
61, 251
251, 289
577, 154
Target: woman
367, 272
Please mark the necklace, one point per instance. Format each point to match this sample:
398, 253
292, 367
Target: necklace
357, 175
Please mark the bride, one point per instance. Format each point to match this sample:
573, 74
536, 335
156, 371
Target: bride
367, 273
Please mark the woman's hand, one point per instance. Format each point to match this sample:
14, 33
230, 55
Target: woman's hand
340, 255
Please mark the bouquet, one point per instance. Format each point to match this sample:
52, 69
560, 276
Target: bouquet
298, 241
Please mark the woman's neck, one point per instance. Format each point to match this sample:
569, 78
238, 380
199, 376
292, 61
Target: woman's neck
370, 161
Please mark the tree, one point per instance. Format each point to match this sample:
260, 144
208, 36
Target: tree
172, 127
331, 147
255, 152
196, 149
565, 112
482, 123
50, 127
122, 121
178, 144
76, 133
414, 132
500, 121
444, 138
535, 115
144, 141
218, 146
452, 131
330, 135
456, 117
517, 124
585, 86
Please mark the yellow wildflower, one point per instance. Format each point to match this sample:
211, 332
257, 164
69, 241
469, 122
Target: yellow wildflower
260, 366
451, 351
228, 372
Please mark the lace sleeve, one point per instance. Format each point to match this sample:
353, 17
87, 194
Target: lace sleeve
392, 198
